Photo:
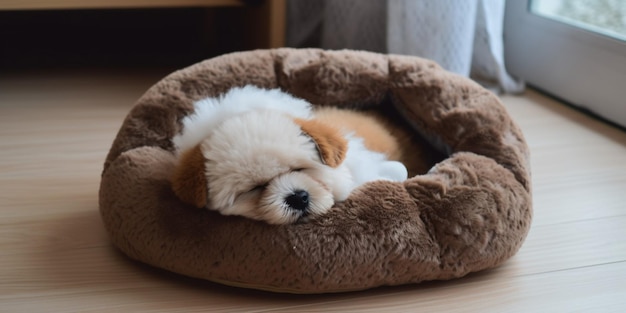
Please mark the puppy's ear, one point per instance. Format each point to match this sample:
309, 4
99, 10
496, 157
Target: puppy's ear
189, 181
331, 145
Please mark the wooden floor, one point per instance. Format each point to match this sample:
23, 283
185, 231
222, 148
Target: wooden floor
55, 130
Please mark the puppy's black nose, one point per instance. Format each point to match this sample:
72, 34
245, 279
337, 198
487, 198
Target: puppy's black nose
298, 200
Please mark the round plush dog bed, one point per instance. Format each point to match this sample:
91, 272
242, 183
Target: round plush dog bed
471, 211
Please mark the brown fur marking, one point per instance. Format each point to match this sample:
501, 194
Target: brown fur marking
366, 125
189, 181
331, 144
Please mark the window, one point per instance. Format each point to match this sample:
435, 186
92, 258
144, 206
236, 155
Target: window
606, 17
573, 49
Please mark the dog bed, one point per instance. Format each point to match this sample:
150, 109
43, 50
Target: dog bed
471, 211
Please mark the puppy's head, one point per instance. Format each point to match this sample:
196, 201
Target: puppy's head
267, 166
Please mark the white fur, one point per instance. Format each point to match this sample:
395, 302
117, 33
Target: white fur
256, 156
366, 165
209, 112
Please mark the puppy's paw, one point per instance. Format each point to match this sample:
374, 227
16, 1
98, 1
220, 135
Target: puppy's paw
394, 171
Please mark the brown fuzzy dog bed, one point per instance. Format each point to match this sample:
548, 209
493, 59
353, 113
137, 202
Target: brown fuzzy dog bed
471, 211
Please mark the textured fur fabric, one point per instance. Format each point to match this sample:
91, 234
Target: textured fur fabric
468, 213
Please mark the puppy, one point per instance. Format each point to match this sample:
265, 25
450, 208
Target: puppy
266, 155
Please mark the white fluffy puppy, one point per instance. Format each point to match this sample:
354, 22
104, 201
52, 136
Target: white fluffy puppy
266, 155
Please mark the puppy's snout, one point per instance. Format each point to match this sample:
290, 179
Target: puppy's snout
298, 200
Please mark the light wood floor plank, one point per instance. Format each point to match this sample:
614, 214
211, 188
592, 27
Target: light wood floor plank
578, 163
589, 289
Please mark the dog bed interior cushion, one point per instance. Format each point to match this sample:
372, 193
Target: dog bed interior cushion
471, 211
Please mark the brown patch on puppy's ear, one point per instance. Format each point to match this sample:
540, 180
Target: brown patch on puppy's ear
331, 144
189, 181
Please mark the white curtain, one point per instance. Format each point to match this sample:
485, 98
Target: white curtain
463, 36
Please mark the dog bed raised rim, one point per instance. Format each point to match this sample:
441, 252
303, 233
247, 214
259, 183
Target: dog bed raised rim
470, 212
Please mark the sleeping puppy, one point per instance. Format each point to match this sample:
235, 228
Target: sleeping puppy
266, 155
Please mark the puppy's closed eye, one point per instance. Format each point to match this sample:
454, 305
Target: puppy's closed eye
259, 187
